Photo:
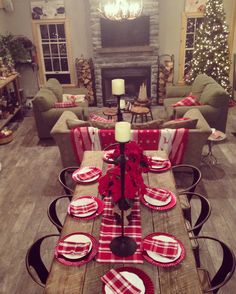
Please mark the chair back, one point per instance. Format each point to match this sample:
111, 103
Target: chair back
34, 261
52, 211
65, 176
226, 269
184, 173
204, 214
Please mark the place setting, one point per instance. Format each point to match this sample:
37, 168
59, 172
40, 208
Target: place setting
76, 249
163, 249
87, 174
127, 280
158, 164
158, 199
85, 207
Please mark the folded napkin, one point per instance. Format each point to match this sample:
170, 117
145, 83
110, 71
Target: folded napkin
67, 247
118, 283
87, 173
84, 208
164, 248
158, 194
158, 163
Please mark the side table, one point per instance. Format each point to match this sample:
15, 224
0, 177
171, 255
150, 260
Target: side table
139, 111
110, 112
216, 136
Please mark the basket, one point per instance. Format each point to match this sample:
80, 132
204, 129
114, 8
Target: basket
6, 139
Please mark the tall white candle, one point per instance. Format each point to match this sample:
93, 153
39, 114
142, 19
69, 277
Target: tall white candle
122, 131
122, 104
118, 86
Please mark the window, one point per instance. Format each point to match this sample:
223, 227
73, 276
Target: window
190, 23
52, 47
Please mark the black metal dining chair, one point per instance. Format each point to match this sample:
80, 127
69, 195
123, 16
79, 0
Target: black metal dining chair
53, 213
212, 283
65, 179
187, 177
33, 260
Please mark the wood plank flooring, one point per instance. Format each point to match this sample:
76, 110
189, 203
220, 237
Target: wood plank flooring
28, 183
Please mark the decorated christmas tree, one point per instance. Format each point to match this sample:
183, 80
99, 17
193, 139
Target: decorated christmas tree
211, 50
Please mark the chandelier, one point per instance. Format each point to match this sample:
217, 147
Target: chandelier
120, 9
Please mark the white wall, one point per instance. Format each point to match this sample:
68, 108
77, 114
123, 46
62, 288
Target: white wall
3, 22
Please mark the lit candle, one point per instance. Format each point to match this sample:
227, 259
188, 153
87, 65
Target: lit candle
118, 86
122, 104
122, 131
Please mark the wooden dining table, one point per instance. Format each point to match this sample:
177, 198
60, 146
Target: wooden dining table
85, 279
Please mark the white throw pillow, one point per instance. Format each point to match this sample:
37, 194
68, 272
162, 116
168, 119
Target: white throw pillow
75, 98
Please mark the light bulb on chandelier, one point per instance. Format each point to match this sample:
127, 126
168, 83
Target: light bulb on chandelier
120, 9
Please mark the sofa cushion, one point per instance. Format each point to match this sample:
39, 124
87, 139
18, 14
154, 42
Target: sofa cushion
214, 95
200, 83
55, 87
44, 100
64, 104
190, 100
185, 122
74, 123
154, 124
103, 125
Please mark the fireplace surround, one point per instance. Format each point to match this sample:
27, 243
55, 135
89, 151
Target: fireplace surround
126, 62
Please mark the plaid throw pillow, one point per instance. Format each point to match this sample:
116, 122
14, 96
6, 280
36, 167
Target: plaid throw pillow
65, 104
94, 117
190, 100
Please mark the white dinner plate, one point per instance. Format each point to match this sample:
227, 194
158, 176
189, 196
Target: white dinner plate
155, 256
156, 158
79, 238
133, 279
83, 201
156, 202
81, 171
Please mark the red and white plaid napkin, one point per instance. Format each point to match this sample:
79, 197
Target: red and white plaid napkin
118, 283
84, 208
64, 104
164, 248
86, 173
68, 247
158, 163
158, 194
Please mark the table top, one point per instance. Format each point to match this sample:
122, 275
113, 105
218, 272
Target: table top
216, 136
85, 279
139, 110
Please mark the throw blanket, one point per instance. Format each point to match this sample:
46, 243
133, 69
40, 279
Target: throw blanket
173, 141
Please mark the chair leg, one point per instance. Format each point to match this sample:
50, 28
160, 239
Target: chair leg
132, 118
151, 114
197, 256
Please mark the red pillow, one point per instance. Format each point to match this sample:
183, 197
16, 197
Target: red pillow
64, 104
190, 100
94, 117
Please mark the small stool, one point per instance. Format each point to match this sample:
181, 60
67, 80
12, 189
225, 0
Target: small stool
139, 111
110, 112
216, 136
146, 104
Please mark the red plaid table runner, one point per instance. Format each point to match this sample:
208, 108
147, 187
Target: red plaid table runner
64, 104
158, 194
118, 283
66, 247
109, 230
87, 173
164, 248
81, 209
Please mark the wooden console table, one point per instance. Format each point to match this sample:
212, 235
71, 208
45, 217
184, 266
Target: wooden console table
14, 79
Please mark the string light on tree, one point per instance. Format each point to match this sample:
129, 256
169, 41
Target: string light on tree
211, 50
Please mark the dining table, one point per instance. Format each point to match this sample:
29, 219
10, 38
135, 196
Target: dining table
86, 279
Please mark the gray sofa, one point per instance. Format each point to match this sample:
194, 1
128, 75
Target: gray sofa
214, 98
46, 115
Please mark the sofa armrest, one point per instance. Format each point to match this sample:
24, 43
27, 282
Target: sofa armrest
61, 125
177, 91
202, 123
204, 109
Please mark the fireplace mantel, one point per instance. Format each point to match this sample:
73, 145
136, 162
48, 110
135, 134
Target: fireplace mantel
133, 49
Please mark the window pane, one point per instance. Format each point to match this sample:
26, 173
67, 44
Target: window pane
56, 64
61, 31
52, 32
62, 49
48, 64
46, 50
190, 25
54, 50
64, 64
189, 41
44, 31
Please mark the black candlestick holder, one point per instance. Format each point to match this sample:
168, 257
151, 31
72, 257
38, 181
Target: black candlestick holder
123, 245
119, 113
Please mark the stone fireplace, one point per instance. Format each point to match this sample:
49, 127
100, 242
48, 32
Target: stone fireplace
132, 56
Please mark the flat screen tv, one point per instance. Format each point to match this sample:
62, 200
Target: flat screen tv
125, 33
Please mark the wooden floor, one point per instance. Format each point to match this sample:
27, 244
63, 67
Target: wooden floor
28, 182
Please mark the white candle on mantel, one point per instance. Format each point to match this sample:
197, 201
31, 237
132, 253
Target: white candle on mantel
118, 86
122, 104
122, 131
